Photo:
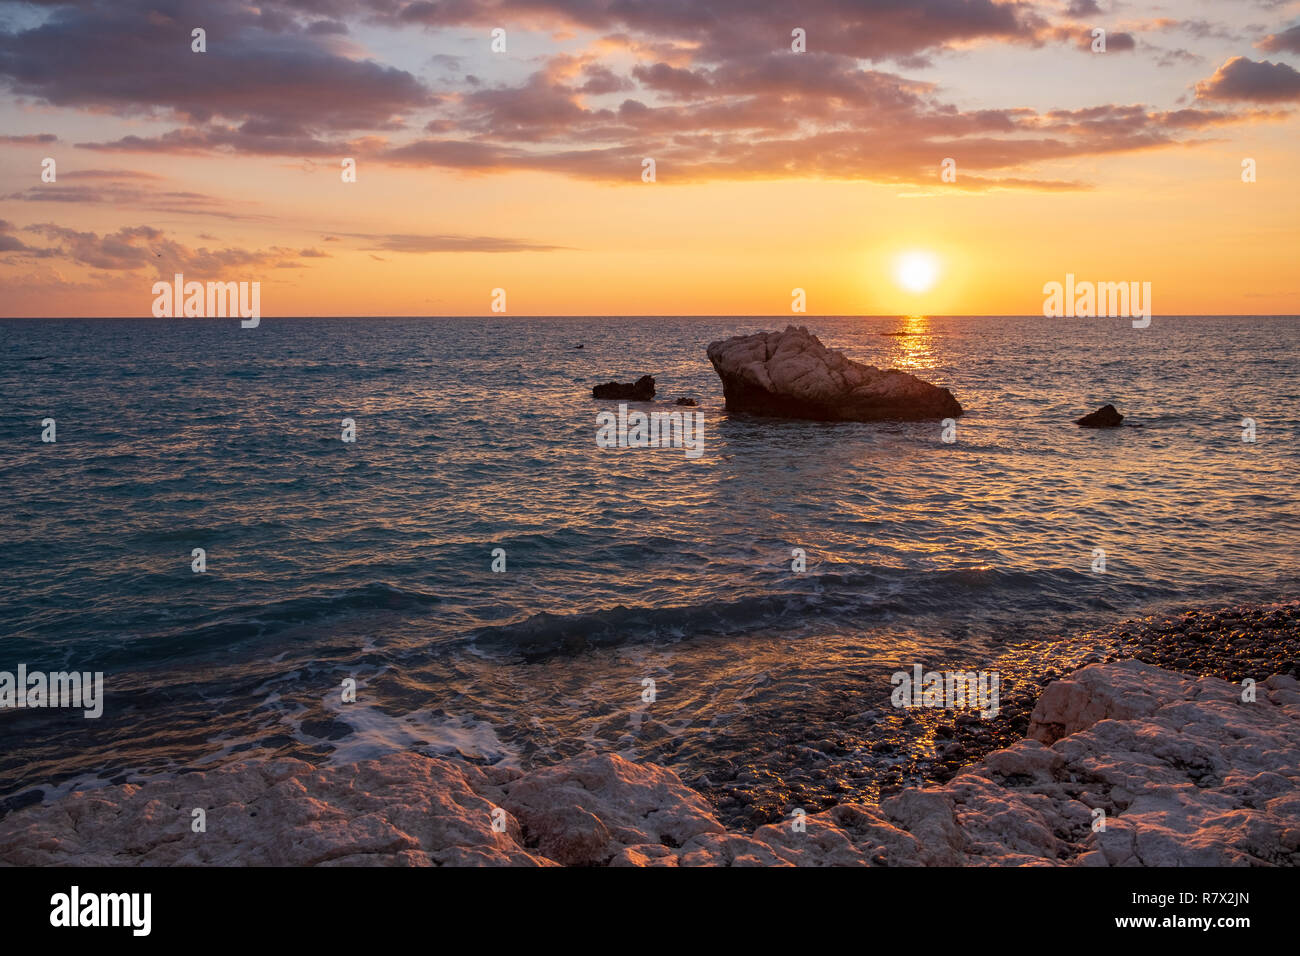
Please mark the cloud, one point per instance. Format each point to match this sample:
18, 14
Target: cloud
34, 139
264, 141
115, 174
720, 29
447, 243
1079, 36
11, 243
1288, 41
1243, 79
708, 88
1175, 57
145, 247
122, 188
262, 67
778, 116
322, 27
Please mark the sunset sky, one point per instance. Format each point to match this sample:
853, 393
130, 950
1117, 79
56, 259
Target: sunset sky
522, 169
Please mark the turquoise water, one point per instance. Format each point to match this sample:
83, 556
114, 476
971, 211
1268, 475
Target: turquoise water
373, 560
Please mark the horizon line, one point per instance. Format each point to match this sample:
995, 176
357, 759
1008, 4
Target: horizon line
662, 315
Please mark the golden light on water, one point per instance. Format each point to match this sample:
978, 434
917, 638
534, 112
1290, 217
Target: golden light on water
913, 348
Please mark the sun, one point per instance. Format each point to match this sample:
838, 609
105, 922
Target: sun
916, 271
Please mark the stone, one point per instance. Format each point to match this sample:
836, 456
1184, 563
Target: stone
642, 390
1104, 417
791, 374
1181, 769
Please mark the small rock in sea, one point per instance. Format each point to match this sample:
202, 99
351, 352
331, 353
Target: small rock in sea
642, 390
685, 401
578, 346
1105, 417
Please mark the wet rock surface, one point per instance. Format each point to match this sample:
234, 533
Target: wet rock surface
826, 754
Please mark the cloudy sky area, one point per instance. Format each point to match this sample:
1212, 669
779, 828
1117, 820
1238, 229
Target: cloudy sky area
522, 169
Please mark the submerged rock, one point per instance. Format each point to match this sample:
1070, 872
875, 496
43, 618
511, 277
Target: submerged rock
791, 374
685, 401
642, 390
1105, 417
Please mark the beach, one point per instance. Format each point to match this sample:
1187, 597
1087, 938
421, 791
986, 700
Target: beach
1123, 763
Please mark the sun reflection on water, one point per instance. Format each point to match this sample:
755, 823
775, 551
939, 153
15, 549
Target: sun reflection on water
913, 344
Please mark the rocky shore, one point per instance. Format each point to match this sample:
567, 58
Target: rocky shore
1122, 763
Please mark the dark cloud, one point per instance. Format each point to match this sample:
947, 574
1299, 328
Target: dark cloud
261, 67
120, 191
112, 174
145, 247
1204, 29
673, 80
1175, 57
1259, 82
600, 80
34, 139
11, 243
1288, 41
1117, 42
712, 90
776, 116
226, 139
720, 29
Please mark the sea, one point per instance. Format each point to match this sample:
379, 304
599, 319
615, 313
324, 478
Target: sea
475, 576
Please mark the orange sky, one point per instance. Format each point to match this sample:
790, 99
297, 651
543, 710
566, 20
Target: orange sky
1119, 169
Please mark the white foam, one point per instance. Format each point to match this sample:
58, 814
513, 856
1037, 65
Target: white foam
375, 733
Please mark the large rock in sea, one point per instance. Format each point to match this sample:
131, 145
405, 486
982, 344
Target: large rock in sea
791, 374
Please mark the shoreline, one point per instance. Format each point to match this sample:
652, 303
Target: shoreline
818, 762
1229, 641
1186, 773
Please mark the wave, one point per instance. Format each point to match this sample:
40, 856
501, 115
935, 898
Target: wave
247, 623
826, 599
